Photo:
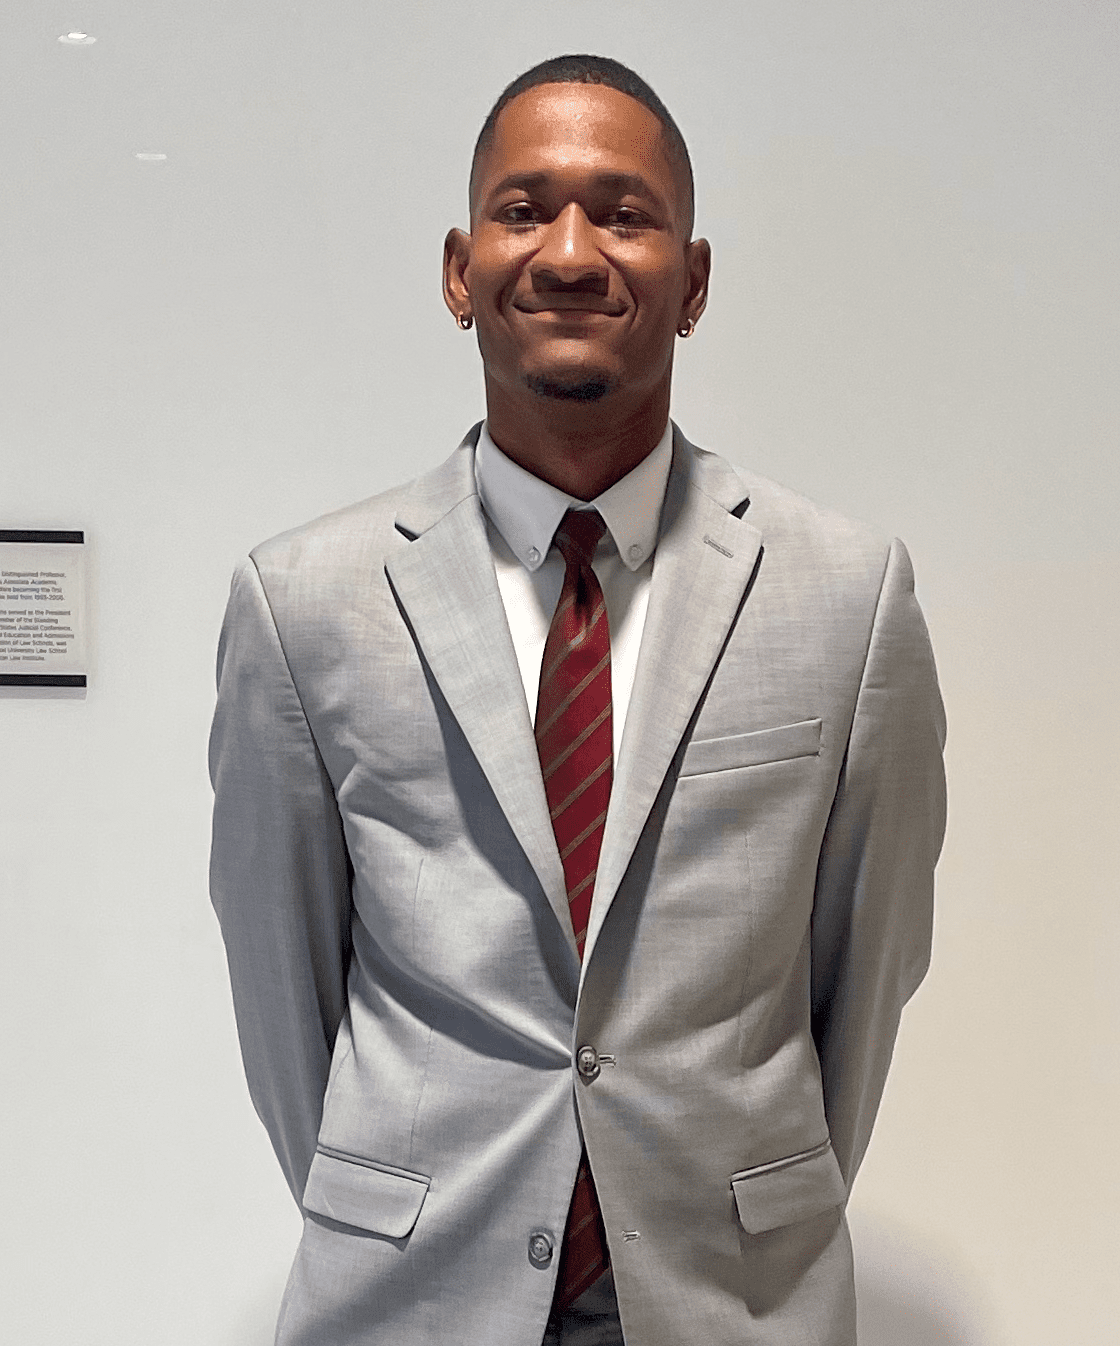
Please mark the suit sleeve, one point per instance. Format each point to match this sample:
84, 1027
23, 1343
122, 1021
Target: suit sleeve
873, 908
279, 879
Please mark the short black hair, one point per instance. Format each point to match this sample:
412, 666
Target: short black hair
584, 69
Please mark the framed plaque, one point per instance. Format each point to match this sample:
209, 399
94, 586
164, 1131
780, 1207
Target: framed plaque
42, 608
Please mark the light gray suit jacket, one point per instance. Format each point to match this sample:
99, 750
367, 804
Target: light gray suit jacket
406, 983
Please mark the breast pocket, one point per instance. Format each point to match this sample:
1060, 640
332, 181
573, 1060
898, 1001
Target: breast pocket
798, 1187
359, 1192
780, 744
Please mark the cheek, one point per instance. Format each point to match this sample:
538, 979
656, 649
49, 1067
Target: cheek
658, 311
491, 270
480, 279
659, 289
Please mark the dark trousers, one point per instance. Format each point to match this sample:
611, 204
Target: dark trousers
591, 1321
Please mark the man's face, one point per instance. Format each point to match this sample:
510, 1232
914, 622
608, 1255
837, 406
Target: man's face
579, 270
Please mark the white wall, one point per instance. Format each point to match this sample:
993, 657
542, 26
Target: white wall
913, 210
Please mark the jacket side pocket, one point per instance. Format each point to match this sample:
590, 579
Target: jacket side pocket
798, 1187
360, 1192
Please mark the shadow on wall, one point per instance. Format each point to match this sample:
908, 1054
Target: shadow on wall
914, 1293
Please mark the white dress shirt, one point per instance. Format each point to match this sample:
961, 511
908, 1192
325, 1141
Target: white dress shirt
522, 514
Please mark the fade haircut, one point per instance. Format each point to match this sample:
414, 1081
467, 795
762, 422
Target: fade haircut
584, 69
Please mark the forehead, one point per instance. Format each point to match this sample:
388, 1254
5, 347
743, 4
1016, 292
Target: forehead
575, 129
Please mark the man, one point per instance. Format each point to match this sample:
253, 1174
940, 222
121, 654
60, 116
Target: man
574, 864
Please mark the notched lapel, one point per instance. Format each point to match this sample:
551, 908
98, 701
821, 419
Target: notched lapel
445, 582
703, 564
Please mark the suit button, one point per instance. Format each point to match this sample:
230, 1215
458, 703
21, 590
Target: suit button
540, 1248
587, 1063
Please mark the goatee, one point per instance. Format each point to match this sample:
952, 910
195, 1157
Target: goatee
590, 388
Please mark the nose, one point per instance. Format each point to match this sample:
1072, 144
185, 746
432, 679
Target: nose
569, 255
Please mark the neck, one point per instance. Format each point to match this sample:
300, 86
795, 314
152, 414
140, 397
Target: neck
580, 448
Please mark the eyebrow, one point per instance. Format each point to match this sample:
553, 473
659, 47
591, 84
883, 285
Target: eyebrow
621, 182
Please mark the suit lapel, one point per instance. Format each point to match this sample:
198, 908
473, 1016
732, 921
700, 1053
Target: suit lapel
704, 561
444, 580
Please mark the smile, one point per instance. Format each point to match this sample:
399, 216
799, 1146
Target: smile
566, 310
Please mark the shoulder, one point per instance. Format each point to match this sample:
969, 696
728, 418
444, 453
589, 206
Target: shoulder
777, 507
346, 536
850, 584
362, 536
797, 534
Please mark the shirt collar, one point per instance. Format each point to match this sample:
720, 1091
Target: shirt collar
527, 511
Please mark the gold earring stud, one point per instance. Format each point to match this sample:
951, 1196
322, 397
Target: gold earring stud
465, 321
686, 329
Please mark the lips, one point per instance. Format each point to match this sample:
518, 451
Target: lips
571, 306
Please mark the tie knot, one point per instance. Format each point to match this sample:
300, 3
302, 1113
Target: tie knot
579, 534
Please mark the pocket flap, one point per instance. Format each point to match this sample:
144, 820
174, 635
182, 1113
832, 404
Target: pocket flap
803, 1185
371, 1196
780, 744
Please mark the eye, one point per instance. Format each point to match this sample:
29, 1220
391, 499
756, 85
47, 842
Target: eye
626, 220
519, 213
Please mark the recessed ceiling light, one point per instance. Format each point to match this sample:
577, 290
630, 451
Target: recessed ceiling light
150, 156
77, 39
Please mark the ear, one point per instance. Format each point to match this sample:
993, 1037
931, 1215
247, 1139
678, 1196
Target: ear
699, 270
456, 265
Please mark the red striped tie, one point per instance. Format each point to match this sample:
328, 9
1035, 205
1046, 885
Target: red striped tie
575, 745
